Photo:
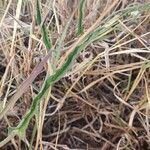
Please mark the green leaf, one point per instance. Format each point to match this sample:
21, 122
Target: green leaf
81, 14
45, 35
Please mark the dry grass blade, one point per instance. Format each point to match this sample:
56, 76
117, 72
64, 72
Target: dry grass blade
24, 86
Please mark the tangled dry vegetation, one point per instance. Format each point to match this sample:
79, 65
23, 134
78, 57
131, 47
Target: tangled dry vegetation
101, 100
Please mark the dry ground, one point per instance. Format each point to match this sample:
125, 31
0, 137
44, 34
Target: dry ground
102, 102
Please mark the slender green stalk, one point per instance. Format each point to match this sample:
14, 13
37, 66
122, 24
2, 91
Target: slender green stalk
33, 136
81, 14
38, 13
45, 35
60, 43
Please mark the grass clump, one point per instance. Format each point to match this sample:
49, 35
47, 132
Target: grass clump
102, 80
